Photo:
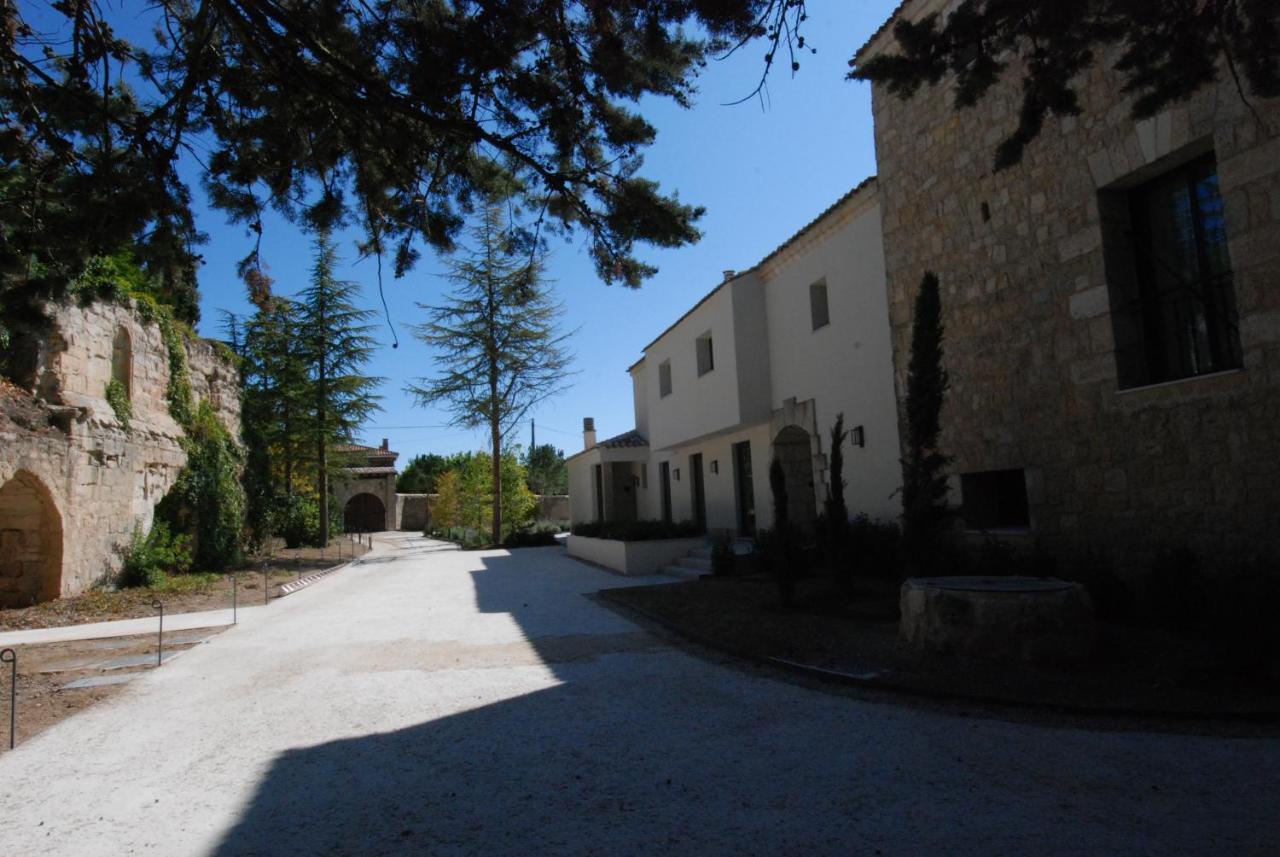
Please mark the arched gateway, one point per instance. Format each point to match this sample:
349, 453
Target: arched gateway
30, 542
364, 513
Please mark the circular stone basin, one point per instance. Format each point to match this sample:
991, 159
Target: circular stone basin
1028, 619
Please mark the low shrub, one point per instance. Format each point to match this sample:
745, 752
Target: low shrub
298, 521
722, 557
533, 537
149, 559
638, 531
875, 547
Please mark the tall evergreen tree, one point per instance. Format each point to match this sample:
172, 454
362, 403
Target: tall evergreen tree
547, 471
500, 351
924, 485
336, 345
276, 383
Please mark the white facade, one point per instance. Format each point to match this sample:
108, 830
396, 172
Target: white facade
754, 363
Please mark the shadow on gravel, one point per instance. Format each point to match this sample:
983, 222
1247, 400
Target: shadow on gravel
666, 754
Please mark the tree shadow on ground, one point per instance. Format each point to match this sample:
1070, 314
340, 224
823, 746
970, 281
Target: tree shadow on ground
642, 749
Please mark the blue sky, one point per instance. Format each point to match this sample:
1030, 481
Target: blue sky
761, 173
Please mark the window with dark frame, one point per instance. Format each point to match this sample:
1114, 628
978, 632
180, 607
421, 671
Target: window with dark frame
995, 500
1173, 304
706, 358
664, 378
818, 313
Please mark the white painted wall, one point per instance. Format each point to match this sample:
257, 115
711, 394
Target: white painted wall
847, 366
766, 352
696, 405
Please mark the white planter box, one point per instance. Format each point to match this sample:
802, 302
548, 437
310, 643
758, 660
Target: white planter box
632, 558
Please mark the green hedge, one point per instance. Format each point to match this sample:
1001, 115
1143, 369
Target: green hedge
638, 531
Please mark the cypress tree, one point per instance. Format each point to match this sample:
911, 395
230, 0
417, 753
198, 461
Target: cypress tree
924, 486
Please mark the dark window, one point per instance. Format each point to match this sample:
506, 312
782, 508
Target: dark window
664, 378
1172, 298
706, 359
818, 313
996, 499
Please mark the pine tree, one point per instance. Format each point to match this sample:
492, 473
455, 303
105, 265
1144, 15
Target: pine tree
336, 345
924, 485
499, 349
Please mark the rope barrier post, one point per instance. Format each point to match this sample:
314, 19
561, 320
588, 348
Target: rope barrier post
159, 605
266, 589
9, 656
235, 586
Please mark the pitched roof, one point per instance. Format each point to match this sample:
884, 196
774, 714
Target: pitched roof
370, 471
627, 439
804, 230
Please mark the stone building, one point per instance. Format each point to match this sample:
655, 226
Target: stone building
74, 480
365, 488
1112, 310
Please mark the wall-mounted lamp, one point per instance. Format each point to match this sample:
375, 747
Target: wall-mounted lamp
677, 472
858, 437
715, 465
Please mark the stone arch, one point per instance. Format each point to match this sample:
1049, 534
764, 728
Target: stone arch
364, 513
122, 360
793, 447
30, 542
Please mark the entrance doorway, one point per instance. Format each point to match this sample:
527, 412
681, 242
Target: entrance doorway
664, 477
364, 513
745, 488
30, 543
792, 449
697, 490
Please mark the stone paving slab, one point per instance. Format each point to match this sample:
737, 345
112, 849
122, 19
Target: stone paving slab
72, 665
99, 681
137, 661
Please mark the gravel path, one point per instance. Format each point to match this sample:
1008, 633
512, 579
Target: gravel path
432, 701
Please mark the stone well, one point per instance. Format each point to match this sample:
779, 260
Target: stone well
1002, 618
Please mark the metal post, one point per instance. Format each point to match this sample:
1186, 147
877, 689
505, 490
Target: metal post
9, 656
235, 586
266, 591
159, 605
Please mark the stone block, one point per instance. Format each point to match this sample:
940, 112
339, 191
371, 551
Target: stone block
1012, 619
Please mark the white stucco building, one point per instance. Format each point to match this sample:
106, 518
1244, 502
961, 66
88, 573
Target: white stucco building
760, 367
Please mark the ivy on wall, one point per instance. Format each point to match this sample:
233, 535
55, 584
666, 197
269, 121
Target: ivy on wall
118, 399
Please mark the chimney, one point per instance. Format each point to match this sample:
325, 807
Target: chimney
729, 274
588, 432
386, 447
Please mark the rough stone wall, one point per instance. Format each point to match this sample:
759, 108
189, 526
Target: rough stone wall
413, 511
103, 480
383, 487
1029, 342
552, 508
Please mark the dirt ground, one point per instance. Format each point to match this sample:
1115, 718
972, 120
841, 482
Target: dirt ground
187, 593
1136, 670
46, 668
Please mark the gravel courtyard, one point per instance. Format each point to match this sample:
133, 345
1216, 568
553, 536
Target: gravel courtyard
434, 701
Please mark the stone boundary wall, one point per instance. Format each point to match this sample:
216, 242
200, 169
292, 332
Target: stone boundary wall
103, 480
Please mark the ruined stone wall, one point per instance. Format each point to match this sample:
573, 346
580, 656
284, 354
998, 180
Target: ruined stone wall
102, 479
1029, 335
